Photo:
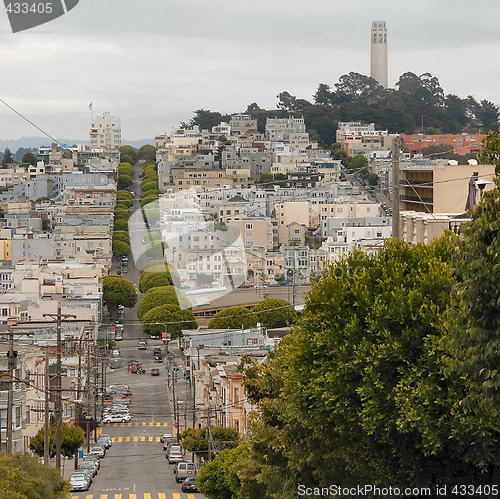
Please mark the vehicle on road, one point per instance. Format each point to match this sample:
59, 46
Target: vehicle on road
166, 437
189, 485
116, 418
89, 465
175, 456
93, 458
98, 451
185, 470
158, 358
79, 481
142, 345
155, 372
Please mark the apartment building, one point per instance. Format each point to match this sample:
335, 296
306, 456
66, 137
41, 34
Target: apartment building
105, 132
461, 143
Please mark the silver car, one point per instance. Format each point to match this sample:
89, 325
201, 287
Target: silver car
79, 481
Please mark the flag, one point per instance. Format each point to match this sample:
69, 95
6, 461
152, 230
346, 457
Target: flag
90, 106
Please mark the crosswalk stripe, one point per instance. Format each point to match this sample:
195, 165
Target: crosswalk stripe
190, 496
147, 495
136, 438
127, 439
176, 495
158, 424
150, 439
120, 439
118, 496
162, 495
103, 496
132, 496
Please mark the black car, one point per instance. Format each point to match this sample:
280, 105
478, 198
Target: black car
189, 485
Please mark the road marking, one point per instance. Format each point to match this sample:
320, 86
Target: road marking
162, 495
89, 496
191, 496
118, 496
147, 495
150, 439
176, 495
103, 496
132, 496
120, 439
136, 438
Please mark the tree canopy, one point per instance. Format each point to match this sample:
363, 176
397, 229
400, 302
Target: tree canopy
72, 438
118, 291
161, 295
272, 311
233, 318
23, 477
172, 317
147, 151
127, 150
358, 392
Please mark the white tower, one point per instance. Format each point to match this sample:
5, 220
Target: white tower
378, 61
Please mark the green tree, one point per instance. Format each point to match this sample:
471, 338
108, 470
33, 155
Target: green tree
149, 184
120, 248
23, 477
127, 150
323, 95
233, 318
357, 392
121, 236
7, 158
150, 280
118, 291
126, 169
195, 439
126, 158
29, 158
72, 438
124, 181
147, 151
274, 310
149, 196
172, 317
161, 295
206, 119
125, 198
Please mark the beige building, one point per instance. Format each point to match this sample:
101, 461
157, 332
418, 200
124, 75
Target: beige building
198, 179
440, 187
289, 212
105, 132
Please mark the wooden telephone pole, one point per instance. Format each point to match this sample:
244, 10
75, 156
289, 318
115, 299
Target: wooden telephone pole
58, 399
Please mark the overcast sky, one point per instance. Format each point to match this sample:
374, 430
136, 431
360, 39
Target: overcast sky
152, 63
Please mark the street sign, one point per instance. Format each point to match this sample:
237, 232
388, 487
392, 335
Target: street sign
163, 335
167, 368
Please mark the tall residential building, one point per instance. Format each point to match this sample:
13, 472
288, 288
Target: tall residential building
105, 132
378, 60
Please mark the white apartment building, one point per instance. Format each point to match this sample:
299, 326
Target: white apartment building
105, 132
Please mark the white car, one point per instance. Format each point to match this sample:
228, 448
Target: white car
116, 418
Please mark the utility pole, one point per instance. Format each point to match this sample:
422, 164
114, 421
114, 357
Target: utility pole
46, 427
395, 188
58, 401
10, 394
209, 435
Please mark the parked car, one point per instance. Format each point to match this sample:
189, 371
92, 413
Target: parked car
104, 442
174, 456
79, 481
92, 458
116, 418
89, 465
184, 470
98, 450
155, 372
189, 485
166, 437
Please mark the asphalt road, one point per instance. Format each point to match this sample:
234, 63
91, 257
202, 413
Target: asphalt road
135, 466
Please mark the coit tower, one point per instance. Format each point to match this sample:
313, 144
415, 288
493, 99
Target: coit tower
378, 60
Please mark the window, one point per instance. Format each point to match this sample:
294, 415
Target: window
236, 396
